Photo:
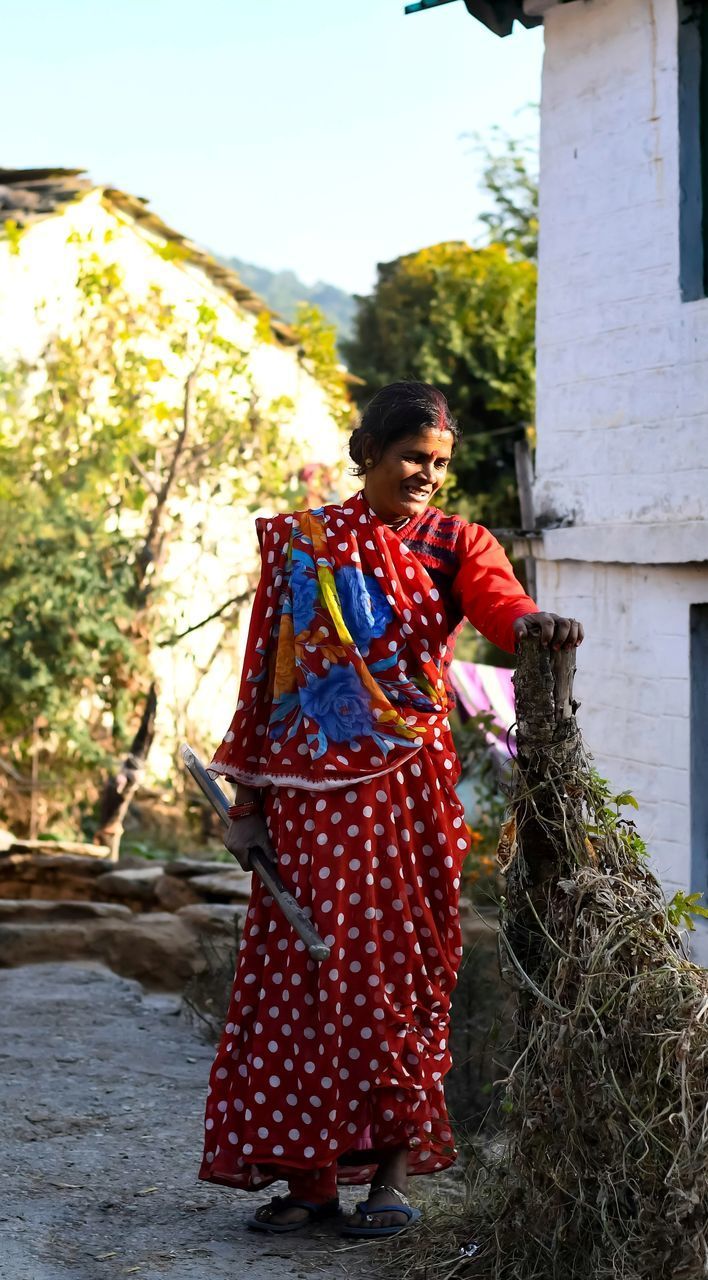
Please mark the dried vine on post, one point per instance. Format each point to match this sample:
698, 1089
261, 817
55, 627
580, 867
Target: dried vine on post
605, 1172
604, 1161
549, 750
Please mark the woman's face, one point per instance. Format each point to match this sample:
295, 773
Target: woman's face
409, 474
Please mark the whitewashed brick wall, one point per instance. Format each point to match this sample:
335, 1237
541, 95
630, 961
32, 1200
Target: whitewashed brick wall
622, 362
622, 399
633, 687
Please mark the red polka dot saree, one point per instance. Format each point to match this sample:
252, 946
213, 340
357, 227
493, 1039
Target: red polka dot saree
342, 720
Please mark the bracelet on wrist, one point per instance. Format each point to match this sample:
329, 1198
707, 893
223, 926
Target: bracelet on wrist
244, 810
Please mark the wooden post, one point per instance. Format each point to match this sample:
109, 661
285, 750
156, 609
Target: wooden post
544, 837
548, 816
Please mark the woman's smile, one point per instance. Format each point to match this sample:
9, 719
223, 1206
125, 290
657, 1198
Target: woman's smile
409, 474
416, 493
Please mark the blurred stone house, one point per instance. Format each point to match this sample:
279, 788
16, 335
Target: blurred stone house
48, 217
621, 483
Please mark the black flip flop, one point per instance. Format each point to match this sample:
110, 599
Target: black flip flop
316, 1212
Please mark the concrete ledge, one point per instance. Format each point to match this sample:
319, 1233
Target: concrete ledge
666, 543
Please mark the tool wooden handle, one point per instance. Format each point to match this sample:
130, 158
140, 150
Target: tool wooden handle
264, 867
292, 911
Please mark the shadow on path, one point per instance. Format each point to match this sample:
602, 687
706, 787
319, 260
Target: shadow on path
102, 1089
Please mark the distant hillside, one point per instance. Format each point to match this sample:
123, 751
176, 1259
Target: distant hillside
283, 290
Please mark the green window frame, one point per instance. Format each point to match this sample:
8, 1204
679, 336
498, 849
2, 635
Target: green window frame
693, 148
703, 131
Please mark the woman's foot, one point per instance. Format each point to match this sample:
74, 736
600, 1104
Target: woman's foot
285, 1213
281, 1214
377, 1197
388, 1187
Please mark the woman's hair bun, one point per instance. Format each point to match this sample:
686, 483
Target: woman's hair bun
398, 410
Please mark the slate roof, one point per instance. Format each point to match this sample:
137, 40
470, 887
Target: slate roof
498, 15
30, 195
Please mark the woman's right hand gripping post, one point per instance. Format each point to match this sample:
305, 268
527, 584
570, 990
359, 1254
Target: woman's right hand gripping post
242, 834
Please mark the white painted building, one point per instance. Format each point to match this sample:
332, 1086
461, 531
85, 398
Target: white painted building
623, 400
49, 220
622, 413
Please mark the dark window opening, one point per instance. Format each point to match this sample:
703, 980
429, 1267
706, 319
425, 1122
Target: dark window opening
699, 746
693, 148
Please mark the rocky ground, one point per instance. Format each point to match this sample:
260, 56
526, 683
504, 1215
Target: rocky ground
155, 921
102, 1085
102, 1088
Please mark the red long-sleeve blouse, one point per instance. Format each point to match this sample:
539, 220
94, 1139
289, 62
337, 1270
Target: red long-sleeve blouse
466, 565
473, 575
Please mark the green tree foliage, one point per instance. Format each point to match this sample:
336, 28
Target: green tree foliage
114, 442
463, 319
65, 627
510, 180
318, 341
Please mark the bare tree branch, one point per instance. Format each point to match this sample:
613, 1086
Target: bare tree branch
152, 547
23, 783
120, 788
144, 475
235, 600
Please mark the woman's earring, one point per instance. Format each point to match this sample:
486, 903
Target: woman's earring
368, 462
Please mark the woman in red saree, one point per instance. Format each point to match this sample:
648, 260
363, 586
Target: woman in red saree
345, 769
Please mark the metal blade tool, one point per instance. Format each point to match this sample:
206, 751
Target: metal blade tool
261, 864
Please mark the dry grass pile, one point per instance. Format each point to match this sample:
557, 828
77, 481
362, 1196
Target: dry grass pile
604, 1169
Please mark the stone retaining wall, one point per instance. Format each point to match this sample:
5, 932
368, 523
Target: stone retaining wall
144, 919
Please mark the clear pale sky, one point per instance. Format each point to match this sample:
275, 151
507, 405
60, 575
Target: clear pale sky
321, 135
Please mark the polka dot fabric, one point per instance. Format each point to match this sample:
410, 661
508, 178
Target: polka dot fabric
350, 639
342, 722
334, 1062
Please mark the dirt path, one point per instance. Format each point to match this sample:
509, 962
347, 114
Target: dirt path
102, 1087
